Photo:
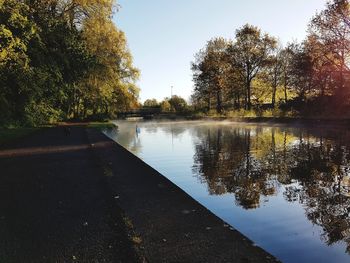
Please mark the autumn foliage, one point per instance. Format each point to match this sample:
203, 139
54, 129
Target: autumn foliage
63, 59
254, 71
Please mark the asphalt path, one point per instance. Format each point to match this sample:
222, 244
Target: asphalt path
55, 205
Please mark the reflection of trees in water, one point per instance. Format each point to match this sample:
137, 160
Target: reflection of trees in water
151, 128
174, 129
126, 133
256, 162
225, 160
322, 171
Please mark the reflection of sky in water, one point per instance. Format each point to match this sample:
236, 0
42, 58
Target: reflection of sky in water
278, 226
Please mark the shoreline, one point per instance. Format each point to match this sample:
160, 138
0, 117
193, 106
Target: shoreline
304, 121
287, 120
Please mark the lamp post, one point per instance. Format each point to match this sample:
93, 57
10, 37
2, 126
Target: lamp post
171, 96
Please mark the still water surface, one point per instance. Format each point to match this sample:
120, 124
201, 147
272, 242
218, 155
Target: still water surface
287, 189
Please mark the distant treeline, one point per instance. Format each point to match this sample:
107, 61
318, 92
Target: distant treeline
175, 104
254, 71
62, 59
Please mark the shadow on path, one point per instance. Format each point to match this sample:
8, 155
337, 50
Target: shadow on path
54, 203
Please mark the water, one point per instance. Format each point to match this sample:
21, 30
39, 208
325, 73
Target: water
287, 189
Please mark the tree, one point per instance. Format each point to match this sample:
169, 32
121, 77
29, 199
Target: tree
272, 73
114, 77
202, 89
16, 33
62, 59
249, 54
165, 106
151, 103
211, 69
234, 87
302, 72
322, 67
177, 103
331, 28
275, 73
286, 56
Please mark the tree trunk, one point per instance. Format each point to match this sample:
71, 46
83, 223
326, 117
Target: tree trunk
238, 101
323, 87
285, 92
274, 88
285, 86
249, 104
218, 102
209, 103
342, 91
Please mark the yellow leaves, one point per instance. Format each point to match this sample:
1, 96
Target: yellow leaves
100, 33
89, 3
108, 45
3, 56
113, 75
12, 49
92, 7
105, 41
75, 12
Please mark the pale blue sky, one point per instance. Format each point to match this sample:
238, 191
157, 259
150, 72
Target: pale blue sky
164, 35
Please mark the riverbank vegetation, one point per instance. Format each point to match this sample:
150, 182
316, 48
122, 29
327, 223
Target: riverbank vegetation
62, 60
254, 75
66, 60
10, 134
175, 104
101, 125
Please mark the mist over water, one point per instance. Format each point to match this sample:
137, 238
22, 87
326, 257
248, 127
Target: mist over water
287, 189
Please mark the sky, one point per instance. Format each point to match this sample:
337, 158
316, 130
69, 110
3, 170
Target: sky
164, 35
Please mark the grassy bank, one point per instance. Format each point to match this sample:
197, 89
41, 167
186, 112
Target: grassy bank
13, 133
101, 125
273, 117
7, 135
271, 114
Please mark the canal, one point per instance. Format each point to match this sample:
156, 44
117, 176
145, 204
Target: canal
286, 188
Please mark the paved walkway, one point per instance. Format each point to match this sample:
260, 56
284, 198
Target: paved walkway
54, 203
